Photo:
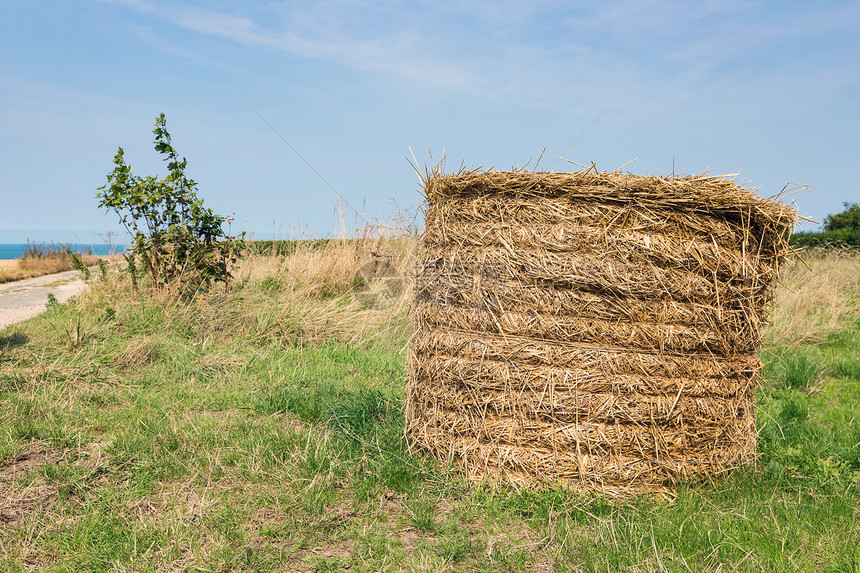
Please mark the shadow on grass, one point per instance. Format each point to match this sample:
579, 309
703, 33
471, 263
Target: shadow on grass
12, 340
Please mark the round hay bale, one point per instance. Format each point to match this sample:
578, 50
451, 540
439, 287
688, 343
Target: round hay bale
595, 330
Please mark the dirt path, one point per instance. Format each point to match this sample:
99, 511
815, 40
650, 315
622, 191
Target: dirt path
25, 299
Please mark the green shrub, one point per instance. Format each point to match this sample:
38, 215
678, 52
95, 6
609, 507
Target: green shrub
840, 237
840, 229
78, 263
847, 219
182, 244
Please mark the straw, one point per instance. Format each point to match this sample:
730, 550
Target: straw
591, 329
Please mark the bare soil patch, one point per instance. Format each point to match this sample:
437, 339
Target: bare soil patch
17, 501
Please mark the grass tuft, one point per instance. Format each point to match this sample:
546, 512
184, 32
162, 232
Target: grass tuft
799, 372
846, 368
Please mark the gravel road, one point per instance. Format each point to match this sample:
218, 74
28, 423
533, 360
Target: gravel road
25, 299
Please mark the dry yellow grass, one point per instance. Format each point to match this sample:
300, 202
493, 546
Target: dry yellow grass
818, 294
6, 266
27, 268
316, 294
351, 290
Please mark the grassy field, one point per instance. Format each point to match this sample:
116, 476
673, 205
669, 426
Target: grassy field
262, 430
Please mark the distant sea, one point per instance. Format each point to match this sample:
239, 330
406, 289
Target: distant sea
15, 250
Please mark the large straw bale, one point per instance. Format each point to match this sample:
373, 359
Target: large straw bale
598, 330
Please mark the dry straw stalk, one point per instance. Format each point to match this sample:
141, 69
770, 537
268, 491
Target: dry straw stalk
598, 330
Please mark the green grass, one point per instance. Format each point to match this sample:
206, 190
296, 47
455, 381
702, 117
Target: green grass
285, 247
141, 435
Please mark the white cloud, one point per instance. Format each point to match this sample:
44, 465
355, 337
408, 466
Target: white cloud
320, 34
627, 54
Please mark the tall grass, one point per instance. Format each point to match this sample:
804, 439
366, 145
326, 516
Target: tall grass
41, 259
333, 292
819, 293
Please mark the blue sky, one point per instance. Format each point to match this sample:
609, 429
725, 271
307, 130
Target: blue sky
767, 89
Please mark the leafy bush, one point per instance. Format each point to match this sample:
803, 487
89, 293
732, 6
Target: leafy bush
182, 244
847, 219
837, 238
840, 229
